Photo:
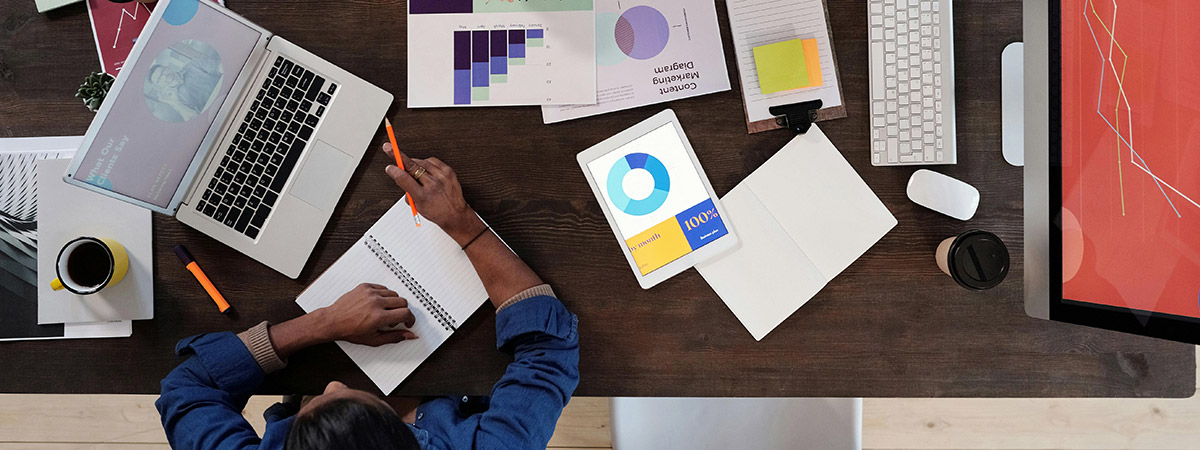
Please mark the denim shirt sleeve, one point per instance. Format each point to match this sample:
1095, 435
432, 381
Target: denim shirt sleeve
202, 399
527, 401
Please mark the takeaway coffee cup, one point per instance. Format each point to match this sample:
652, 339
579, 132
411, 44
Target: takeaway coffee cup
977, 260
86, 265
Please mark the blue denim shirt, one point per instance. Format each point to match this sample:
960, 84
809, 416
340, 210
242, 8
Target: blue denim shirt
202, 399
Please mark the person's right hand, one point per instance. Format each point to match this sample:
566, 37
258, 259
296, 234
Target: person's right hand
435, 190
362, 316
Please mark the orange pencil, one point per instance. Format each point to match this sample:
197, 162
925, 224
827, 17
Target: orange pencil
400, 164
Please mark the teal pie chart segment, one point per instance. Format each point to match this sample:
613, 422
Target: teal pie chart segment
616, 189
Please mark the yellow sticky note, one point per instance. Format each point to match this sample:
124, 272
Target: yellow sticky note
787, 65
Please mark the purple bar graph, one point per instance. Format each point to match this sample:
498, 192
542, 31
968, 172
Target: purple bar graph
499, 52
479, 58
534, 33
516, 43
462, 67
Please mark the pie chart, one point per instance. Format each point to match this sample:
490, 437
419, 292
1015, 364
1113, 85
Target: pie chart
616, 188
642, 32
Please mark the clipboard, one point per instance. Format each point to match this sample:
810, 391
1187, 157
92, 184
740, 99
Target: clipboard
760, 22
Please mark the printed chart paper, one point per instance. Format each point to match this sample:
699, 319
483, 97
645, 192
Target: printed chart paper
650, 52
116, 27
501, 52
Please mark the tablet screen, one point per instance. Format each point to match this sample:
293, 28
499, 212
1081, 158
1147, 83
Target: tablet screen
1130, 165
657, 198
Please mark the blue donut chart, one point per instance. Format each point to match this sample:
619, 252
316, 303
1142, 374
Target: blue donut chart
616, 189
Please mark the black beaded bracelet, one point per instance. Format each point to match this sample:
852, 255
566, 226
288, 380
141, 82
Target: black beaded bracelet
472, 241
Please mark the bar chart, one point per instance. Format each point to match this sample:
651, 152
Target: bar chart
482, 59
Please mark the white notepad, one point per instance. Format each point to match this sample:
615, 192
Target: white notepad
426, 267
803, 217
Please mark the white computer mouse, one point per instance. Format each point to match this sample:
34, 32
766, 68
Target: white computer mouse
943, 194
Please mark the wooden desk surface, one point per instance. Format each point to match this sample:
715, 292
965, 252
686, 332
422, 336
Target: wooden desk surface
890, 325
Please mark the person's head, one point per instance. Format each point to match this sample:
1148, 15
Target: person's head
164, 76
344, 418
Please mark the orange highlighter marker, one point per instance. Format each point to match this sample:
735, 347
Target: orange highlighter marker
400, 164
194, 268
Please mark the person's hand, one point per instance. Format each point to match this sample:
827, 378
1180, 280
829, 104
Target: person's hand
362, 316
437, 194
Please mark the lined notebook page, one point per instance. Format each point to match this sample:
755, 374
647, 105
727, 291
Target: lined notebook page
761, 22
433, 260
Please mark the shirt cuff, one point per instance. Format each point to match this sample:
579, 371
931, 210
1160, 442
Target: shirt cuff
258, 341
536, 291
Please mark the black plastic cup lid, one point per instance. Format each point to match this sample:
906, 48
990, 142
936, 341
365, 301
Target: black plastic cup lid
978, 260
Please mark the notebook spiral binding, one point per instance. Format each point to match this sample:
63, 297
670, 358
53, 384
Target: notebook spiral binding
411, 283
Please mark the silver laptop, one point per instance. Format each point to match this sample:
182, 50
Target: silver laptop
236, 132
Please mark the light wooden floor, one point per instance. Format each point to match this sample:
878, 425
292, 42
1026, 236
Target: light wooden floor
112, 422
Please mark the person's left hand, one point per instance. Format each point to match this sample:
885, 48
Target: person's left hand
363, 316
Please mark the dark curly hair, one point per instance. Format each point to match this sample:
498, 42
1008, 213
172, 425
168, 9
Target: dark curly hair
350, 425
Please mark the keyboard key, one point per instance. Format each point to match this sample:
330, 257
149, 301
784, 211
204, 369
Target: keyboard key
228, 199
297, 70
311, 120
286, 116
292, 105
245, 191
286, 92
274, 114
200, 206
292, 81
289, 163
320, 110
278, 61
332, 88
305, 105
315, 88
253, 202
240, 178
298, 95
257, 169
259, 191
271, 170
277, 82
257, 146
273, 92
305, 80
281, 127
210, 210
221, 212
269, 198
293, 127
239, 202
305, 132
252, 232
231, 219
323, 98
274, 138
260, 216
287, 66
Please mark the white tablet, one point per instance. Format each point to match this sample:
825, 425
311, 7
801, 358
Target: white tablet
657, 199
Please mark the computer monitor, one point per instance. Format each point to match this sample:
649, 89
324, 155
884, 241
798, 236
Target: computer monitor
1112, 181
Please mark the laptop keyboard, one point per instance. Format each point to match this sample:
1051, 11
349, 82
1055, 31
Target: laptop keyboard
263, 155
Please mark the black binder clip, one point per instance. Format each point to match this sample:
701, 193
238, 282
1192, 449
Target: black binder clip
797, 116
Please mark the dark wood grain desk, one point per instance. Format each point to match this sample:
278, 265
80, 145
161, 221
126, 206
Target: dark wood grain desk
890, 325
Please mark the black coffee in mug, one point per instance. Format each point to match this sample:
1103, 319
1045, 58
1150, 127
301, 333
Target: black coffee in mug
89, 264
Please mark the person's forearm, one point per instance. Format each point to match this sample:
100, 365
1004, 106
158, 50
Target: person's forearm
300, 333
502, 272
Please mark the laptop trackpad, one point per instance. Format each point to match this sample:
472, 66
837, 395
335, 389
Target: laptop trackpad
319, 182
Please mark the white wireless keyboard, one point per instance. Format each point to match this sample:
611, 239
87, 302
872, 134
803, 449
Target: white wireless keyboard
912, 82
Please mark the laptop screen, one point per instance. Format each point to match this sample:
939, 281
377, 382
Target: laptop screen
156, 124
1130, 165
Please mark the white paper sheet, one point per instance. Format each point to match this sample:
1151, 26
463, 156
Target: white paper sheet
66, 212
651, 52
761, 22
802, 218
559, 67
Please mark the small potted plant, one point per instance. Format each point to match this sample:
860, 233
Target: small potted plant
93, 90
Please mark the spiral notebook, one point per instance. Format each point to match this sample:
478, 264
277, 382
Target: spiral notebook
423, 265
